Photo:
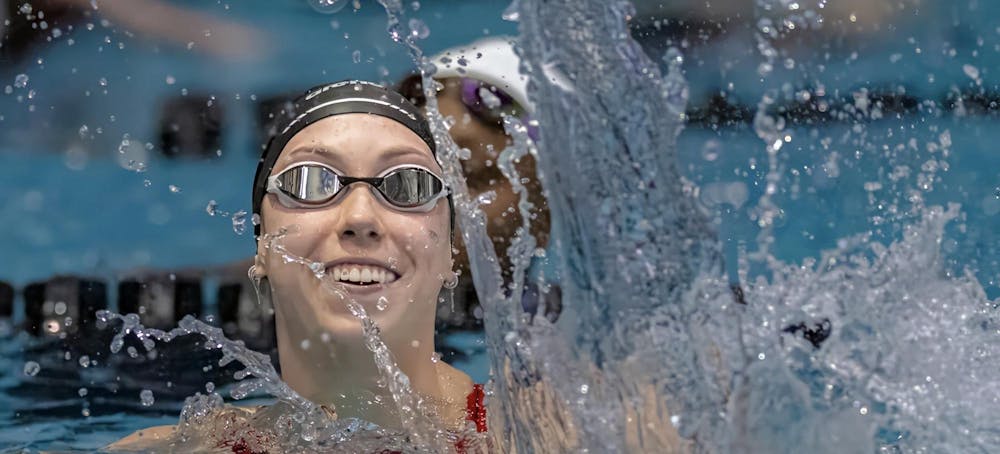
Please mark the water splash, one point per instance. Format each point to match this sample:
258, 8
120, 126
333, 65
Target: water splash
650, 329
293, 424
854, 351
860, 347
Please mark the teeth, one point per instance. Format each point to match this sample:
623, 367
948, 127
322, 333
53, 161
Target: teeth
360, 274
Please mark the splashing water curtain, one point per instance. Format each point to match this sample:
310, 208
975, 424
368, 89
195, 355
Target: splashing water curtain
856, 351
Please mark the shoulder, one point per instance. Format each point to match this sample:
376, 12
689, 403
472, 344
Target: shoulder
454, 382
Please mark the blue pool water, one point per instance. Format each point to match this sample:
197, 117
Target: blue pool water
71, 207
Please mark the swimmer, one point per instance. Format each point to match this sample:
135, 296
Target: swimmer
477, 94
480, 84
353, 183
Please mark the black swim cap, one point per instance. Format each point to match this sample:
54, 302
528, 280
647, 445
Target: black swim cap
349, 96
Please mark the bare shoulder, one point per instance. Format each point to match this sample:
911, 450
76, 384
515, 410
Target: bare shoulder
454, 381
142, 438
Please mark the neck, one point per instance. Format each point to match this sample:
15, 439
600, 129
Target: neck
343, 372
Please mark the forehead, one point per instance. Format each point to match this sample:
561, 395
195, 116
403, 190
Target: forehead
357, 142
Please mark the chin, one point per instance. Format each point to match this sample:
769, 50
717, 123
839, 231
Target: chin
336, 313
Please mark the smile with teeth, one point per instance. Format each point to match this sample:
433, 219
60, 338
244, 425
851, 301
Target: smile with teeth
362, 274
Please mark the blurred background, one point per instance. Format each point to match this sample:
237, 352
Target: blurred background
129, 131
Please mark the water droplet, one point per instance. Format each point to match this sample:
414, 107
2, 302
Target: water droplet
240, 222
710, 151
83, 131
174, 189
31, 368
211, 207
210, 387
103, 82
435, 357
305, 344
971, 71
382, 303
85, 412
84, 361
512, 13
584, 389
21, 80
418, 29
147, 183
328, 6
146, 397
170, 80
356, 56
82, 392
945, 139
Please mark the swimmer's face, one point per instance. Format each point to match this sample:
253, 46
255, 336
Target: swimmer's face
358, 230
485, 141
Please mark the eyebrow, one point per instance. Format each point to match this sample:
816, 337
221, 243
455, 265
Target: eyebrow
312, 149
404, 150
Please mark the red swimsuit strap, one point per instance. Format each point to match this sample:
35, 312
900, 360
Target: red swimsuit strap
475, 409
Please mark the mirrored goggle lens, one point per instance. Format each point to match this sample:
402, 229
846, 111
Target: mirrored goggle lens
410, 187
309, 183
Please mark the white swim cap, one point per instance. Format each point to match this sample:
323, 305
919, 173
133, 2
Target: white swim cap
491, 60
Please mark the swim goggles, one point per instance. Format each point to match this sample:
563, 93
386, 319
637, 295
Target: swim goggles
490, 104
406, 187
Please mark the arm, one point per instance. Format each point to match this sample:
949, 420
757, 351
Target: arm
181, 27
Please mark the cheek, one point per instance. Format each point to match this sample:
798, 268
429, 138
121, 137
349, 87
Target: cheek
290, 236
429, 241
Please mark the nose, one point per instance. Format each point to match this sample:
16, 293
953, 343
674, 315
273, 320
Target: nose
360, 220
